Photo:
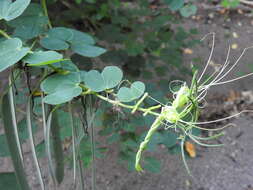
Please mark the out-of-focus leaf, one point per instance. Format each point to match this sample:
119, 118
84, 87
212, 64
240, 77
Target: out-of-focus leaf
8, 181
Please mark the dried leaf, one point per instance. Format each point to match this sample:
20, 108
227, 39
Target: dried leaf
190, 149
188, 51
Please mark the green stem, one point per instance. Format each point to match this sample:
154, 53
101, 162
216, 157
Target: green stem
44, 6
127, 106
144, 143
4, 34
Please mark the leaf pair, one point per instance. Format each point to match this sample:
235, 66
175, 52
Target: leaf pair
129, 94
61, 88
60, 38
109, 78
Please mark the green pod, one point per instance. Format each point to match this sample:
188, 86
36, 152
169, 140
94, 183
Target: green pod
57, 148
12, 143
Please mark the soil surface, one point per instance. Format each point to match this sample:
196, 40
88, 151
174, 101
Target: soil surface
224, 168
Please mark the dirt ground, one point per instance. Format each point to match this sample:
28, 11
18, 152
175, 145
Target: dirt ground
226, 168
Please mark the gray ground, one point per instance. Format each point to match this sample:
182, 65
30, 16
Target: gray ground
226, 168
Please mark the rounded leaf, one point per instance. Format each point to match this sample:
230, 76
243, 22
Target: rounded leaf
61, 33
94, 81
53, 43
137, 88
81, 38
63, 95
57, 82
124, 94
134, 92
112, 76
188, 10
87, 50
11, 51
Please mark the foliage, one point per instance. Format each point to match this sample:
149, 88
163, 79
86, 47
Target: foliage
136, 35
56, 85
230, 3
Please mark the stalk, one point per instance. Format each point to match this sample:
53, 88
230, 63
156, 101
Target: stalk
144, 143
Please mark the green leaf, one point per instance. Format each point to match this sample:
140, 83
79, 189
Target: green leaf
63, 95
61, 33
43, 58
53, 44
188, 10
3, 147
169, 139
112, 76
129, 94
67, 64
87, 50
11, 51
94, 81
8, 181
81, 38
30, 24
61, 88
174, 4
10, 10
230, 3
57, 82
137, 89
57, 38
152, 165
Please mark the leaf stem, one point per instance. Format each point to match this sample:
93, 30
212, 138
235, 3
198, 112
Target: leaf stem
4, 34
145, 110
44, 6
